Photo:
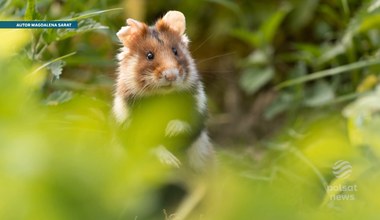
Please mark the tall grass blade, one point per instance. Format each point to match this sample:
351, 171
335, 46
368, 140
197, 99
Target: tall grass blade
52, 61
329, 72
92, 14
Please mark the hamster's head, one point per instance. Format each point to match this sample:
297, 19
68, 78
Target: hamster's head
156, 58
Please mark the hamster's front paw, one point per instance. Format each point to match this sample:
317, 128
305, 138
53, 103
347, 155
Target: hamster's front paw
166, 157
176, 127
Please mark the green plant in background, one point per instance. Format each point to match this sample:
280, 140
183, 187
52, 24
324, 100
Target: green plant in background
346, 45
49, 47
353, 52
259, 67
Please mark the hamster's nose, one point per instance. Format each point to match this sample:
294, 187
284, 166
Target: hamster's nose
170, 75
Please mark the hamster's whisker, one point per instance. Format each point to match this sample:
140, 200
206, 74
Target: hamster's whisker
200, 45
217, 71
215, 57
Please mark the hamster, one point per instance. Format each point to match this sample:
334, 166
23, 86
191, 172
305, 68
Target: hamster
159, 98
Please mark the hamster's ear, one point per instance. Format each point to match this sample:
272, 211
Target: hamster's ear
133, 27
176, 21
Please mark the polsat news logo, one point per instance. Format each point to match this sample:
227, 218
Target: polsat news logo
342, 169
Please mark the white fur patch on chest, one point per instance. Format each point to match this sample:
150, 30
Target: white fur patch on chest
120, 109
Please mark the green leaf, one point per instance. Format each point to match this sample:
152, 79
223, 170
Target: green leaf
258, 57
367, 104
255, 78
374, 6
282, 103
371, 22
264, 36
4, 4
30, 12
269, 28
334, 50
56, 68
311, 49
247, 36
346, 9
302, 14
59, 97
229, 5
320, 94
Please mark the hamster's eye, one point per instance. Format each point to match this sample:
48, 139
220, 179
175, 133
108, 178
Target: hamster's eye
175, 51
150, 55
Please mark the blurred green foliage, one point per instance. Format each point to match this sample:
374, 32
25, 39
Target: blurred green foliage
292, 91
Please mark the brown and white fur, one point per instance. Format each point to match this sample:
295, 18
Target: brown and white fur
156, 60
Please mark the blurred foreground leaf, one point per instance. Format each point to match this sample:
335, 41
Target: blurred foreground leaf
12, 41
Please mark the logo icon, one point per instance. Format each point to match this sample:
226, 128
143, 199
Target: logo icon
342, 169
